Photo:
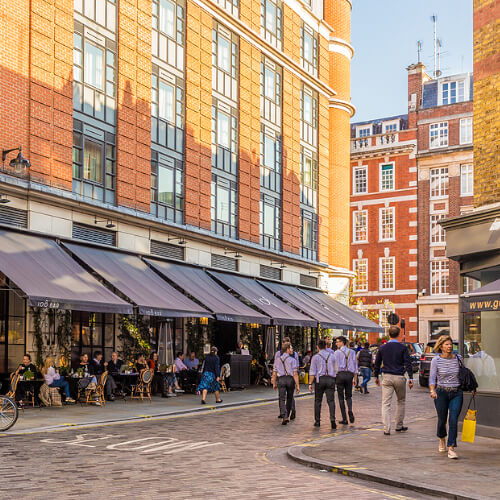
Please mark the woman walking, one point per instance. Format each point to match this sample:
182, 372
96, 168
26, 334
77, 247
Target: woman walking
445, 389
210, 378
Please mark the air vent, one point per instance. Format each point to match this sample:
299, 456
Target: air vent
94, 234
269, 272
13, 217
223, 262
307, 280
167, 250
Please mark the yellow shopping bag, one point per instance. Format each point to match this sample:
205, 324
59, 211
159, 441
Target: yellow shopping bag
469, 425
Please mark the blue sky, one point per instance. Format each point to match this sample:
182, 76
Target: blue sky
384, 36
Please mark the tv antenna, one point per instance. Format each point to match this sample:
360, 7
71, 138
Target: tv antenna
437, 48
419, 49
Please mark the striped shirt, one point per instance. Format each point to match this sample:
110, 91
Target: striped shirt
444, 372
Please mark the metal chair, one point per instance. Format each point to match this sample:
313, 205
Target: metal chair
143, 387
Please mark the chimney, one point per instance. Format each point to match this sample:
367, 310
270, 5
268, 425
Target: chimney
416, 78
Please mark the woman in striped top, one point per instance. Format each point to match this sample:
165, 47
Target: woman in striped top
444, 383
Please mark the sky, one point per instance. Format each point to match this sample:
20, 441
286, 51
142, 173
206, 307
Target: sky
384, 36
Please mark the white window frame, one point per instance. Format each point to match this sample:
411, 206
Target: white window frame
441, 270
381, 262
449, 83
466, 130
382, 317
381, 177
354, 185
437, 234
361, 128
443, 187
440, 137
388, 126
356, 263
468, 188
354, 226
381, 212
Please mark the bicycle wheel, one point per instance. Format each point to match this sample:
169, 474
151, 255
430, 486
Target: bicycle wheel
8, 413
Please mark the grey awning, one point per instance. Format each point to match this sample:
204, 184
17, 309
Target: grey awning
134, 279
309, 306
358, 321
486, 298
51, 278
281, 313
202, 287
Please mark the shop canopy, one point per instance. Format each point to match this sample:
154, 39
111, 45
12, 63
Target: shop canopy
203, 288
358, 321
50, 278
326, 317
486, 298
134, 279
249, 289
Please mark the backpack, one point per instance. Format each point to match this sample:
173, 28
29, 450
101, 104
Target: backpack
468, 382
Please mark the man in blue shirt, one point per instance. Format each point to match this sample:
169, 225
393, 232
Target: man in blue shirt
396, 361
192, 362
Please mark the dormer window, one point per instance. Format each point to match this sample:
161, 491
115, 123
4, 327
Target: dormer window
391, 126
452, 92
364, 131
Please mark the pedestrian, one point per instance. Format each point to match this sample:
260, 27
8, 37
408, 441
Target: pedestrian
347, 375
444, 383
364, 358
285, 378
323, 369
395, 358
210, 378
296, 358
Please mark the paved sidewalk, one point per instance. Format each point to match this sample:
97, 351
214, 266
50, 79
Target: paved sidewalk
408, 460
40, 419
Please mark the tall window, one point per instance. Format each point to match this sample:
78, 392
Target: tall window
309, 179
224, 137
232, 6
225, 62
102, 12
360, 180
270, 160
309, 116
439, 277
94, 65
309, 235
168, 32
224, 206
386, 229
270, 221
271, 28
438, 135
93, 163
387, 269
270, 92
452, 92
309, 49
437, 231
466, 180
466, 131
360, 268
167, 187
439, 182
360, 226
387, 177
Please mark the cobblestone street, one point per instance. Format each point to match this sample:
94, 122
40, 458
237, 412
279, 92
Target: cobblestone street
232, 453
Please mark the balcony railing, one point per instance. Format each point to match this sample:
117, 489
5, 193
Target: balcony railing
360, 144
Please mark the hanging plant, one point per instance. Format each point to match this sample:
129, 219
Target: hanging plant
132, 337
64, 333
38, 336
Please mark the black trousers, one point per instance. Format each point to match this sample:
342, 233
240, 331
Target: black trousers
286, 386
344, 391
326, 385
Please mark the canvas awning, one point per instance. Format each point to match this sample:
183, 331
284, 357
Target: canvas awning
134, 279
280, 312
197, 283
50, 278
486, 298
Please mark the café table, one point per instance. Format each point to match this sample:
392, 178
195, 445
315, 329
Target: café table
126, 380
31, 388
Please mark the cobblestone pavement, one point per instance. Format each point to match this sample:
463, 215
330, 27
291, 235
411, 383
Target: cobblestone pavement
234, 453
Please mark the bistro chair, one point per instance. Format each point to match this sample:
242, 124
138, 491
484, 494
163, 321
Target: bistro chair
143, 387
91, 392
14, 380
224, 373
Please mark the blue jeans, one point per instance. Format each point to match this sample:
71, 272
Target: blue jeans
448, 403
62, 383
366, 373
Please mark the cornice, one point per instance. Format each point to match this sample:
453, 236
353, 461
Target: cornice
341, 104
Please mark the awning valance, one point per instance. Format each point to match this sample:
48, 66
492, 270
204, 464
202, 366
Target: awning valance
486, 298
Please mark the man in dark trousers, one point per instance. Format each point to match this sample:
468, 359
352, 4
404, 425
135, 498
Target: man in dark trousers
395, 360
296, 357
323, 369
287, 378
347, 376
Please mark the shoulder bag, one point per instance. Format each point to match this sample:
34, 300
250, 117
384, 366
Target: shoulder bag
468, 382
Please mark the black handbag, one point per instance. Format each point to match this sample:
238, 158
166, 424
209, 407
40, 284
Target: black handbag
468, 382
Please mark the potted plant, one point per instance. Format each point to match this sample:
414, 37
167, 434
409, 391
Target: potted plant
80, 372
29, 375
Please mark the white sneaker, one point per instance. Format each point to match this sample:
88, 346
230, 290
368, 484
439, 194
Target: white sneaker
97, 403
452, 453
442, 445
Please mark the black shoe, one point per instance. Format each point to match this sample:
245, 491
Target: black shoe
343, 422
110, 398
334, 425
164, 395
402, 429
366, 391
387, 433
292, 415
285, 421
351, 417
203, 402
220, 401
316, 424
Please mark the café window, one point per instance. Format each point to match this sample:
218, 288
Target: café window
270, 221
224, 206
271, 14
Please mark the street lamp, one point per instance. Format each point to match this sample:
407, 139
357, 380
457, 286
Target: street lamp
19, 163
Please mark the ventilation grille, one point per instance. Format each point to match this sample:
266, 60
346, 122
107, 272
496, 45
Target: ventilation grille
307, 280
223, 262
167, 250
94, 234
13, 217
269, 272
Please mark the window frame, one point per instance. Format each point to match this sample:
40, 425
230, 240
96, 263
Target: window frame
382, 260
436, 231
443, 272
470, 180
381, 213
272, 241
309, 249
361, 129
227, 228
466, 130
309, 65
355, 231
443, 187
382, 179
275, 37
354, 180
270, 108
225, 81
355, 267
270, 178
448, 84
440, 136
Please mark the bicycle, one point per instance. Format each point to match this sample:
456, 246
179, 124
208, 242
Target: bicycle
8, 413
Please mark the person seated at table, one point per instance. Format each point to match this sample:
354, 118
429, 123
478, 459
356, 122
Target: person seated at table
97, 367
140, 363
84, 364
192, 362
181, 370
53, 379
114, 364
88, 377
154, 366
27, 387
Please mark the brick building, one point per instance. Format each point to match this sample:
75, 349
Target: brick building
211, 132
384, 219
